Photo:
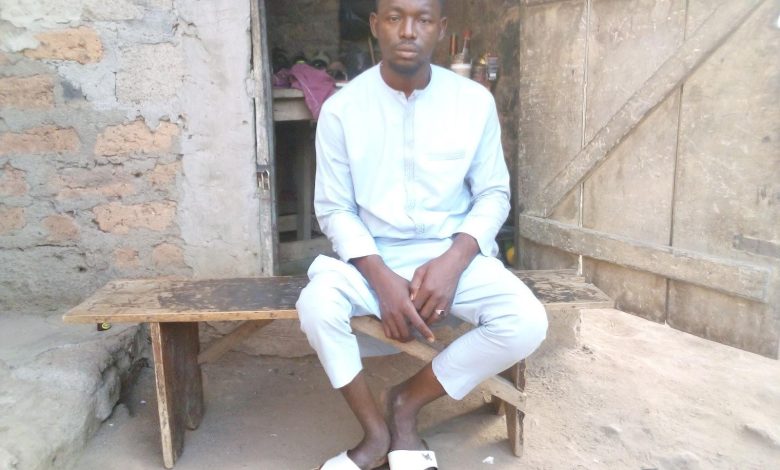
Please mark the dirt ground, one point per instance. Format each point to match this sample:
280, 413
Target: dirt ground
636, 395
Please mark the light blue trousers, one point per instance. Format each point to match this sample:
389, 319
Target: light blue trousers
510, 322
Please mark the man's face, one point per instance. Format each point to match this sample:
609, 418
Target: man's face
407, 31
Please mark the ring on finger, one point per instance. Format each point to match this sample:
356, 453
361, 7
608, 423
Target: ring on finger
439, 312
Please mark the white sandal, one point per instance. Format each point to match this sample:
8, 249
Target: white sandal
412, 460
340, 462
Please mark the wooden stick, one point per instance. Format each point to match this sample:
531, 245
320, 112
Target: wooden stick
235, 337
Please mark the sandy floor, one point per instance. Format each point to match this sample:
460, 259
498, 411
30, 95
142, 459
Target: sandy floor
636, 396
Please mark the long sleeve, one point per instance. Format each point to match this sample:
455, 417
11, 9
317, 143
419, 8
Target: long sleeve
334, 197
488, 180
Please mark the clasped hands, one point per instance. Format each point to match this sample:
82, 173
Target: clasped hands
425, 299
417, 302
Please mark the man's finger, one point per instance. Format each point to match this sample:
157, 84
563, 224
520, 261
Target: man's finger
401, 327
419, 325
391, 328
426, 311
414, 285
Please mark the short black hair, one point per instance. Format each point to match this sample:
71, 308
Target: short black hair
442, 3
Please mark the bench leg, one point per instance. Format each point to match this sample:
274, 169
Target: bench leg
178, 383
514, 415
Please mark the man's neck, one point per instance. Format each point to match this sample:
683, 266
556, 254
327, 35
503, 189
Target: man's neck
406, 83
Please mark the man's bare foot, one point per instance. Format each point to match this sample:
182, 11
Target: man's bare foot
371, 452
402, 421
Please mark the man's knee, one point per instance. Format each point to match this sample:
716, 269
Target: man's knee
524, 329
321, 306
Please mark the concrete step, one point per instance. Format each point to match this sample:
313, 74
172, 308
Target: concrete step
57, 384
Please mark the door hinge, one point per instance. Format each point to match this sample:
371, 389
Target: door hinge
264, 177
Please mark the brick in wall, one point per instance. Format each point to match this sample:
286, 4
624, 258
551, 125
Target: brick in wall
12, 182
34, 91
39, 140
120, 219
126, 258
167, 255
79, 44
60, 228
136, 137
11, 219
162, 175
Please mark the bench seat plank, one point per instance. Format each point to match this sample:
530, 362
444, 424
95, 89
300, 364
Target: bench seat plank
179, 300
562, 289
270, 298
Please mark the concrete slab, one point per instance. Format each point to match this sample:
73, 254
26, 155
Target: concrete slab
57, 384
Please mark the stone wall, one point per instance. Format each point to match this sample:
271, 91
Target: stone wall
126, 145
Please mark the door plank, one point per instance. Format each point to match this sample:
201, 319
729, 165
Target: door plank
689, 56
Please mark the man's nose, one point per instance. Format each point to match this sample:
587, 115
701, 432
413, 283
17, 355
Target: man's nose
407, 29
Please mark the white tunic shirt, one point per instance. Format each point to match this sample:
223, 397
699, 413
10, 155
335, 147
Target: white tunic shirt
393, 169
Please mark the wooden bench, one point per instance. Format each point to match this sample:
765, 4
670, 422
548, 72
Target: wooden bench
173, 309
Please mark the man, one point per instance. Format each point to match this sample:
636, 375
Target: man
411, 189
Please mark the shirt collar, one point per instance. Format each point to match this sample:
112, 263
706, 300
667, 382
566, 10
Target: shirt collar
416, 94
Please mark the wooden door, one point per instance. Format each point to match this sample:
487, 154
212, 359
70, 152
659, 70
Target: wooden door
264, 135
649, 154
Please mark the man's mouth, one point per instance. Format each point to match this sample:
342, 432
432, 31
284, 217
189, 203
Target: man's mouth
406, 52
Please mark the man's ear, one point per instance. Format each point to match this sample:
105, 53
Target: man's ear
372, 19
442, 28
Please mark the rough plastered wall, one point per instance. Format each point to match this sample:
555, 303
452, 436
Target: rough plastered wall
126, 145
699, 173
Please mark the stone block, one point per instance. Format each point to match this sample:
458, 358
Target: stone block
149, 73
136, 137
167, 255
126, 258
563, 331
162, 175
80, 44
34, 91
11, 219
12, 181
40, 140
60, 228
120, 219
